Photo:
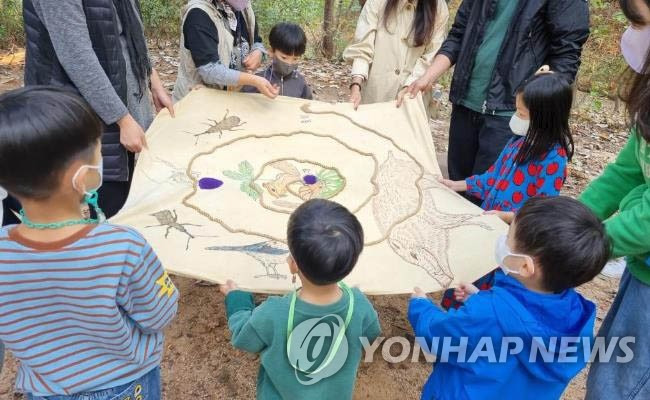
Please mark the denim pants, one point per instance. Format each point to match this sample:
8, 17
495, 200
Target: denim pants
146, 387
628, 316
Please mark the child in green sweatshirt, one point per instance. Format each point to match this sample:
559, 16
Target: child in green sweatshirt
310, 341
621, 197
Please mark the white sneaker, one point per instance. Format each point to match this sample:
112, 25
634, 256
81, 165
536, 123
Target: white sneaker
614, 268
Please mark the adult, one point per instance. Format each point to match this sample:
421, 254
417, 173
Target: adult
98, 49
220, 47
394, 44
495, 45
621, 197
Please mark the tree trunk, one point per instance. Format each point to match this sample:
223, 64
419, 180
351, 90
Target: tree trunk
328, 29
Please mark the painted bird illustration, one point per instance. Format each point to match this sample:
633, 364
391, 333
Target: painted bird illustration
270, 254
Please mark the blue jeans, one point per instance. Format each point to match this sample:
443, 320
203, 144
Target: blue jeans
146, 387
628, 316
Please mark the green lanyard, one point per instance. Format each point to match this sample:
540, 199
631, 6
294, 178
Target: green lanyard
339, 337
90, 199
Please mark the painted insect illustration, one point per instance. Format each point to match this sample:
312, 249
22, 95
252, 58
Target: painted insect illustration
175, 175
424, 239
270, 254
170, 220
226, 124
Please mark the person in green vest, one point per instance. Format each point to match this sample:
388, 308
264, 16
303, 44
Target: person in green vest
621, 197
494, 46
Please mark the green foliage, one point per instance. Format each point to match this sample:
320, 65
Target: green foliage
11, 23
162, 18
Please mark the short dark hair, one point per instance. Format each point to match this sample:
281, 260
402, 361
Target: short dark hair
42, 130
565, 237
325, 240
288, 38
549, 98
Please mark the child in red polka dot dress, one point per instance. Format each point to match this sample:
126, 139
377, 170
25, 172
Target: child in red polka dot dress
534, 163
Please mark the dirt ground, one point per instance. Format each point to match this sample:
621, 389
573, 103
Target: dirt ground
199, 362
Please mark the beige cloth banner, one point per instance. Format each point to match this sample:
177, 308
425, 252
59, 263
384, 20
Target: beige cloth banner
214, 192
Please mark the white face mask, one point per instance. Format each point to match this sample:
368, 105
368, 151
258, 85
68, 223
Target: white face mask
518, 125
635, 45
502, 251
100, 170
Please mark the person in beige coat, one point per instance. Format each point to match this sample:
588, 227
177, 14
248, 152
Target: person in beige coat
395, 42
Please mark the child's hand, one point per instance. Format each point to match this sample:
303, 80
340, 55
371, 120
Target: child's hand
228, 287
456, 186
418, 293
463, 291
505, 216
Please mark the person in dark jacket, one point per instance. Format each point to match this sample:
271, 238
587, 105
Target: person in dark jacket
97, 48
288, 43
495, 45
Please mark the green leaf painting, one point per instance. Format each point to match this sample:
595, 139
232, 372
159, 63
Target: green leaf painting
244, 174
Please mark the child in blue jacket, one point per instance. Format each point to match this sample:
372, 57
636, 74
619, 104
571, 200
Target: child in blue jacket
554, 245
533, 163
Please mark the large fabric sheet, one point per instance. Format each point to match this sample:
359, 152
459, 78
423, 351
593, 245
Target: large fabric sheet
214, 191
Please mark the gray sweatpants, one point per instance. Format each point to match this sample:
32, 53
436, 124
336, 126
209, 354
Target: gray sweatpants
629, 316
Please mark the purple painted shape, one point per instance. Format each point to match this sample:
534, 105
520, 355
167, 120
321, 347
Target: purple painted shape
310, 179
210, 183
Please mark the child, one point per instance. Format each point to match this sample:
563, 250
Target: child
532, 164
325, 241
535, 162
288, 43
82, 305
621, 197
554, 245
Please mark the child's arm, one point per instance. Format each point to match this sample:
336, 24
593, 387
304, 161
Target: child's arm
630, 229
239, 310
307, 93
147, 294
429, 321
604, 195
479, 185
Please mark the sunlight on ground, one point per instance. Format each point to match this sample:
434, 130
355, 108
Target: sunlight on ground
12, 59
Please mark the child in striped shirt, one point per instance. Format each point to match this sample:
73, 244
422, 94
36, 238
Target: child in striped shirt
82, 305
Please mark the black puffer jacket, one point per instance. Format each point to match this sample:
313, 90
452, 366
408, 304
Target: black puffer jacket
43, 68
541, 32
